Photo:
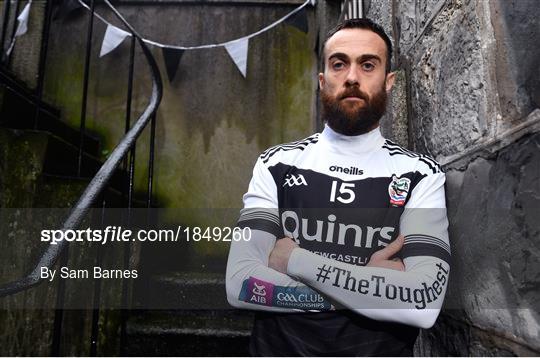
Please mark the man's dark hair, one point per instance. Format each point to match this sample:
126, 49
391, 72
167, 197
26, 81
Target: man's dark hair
368, 25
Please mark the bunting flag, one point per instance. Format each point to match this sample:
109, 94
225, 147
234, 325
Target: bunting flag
172, 60
66, 8
299, 20
113, 38
238, 50
22, 27
23, 20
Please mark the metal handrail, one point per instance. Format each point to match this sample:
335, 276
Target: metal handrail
100, 180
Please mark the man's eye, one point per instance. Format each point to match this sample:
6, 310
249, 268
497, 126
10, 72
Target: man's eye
338, 65
368, 66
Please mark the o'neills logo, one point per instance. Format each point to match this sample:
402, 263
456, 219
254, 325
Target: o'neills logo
350, 170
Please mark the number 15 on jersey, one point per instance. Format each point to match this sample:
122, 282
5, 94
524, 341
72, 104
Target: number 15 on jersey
346, 194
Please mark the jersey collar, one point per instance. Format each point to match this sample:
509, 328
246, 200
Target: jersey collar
344, 144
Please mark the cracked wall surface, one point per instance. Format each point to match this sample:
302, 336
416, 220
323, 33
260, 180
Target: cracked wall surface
472, 70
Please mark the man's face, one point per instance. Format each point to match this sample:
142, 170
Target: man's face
354, 84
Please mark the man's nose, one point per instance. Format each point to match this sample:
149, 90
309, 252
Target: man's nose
352, 76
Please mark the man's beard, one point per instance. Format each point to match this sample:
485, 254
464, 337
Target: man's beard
353, 120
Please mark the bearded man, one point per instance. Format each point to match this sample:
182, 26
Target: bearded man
349, 250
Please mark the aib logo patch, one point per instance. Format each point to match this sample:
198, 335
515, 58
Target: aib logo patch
259, 290
292, 180
398, 190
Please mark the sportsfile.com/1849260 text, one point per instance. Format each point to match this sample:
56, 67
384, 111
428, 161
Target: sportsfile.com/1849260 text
119, 234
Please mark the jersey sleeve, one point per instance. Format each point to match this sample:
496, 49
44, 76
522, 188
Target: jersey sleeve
424, 221
413, 296
250, 283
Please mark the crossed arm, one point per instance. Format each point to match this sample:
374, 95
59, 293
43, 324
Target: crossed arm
388, 290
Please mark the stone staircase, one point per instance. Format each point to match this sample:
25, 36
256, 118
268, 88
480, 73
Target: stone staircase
38, 186
177, 309
189, 316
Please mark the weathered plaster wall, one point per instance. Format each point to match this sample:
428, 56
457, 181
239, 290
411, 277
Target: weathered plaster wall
212, 123
472, 81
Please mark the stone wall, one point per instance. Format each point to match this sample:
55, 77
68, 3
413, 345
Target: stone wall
394, 124
472, 70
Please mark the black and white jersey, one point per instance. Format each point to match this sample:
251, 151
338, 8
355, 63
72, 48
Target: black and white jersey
341, 198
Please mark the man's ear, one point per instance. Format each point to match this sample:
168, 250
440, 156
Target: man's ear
321, 80
390, 78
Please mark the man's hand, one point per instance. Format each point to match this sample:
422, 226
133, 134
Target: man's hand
382, 258
279, 257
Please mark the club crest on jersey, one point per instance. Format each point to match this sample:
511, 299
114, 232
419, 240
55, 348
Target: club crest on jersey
292, 180
398, 190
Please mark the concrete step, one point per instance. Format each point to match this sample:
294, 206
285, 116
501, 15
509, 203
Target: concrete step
47, 154
184, 255
62, 157
17, 113
189, 333
59, 192
182, 290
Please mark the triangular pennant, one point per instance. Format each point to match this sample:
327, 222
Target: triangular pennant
238, 50
172, 60
22, 27
112, 39
66, 8
23, 20
299, 20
